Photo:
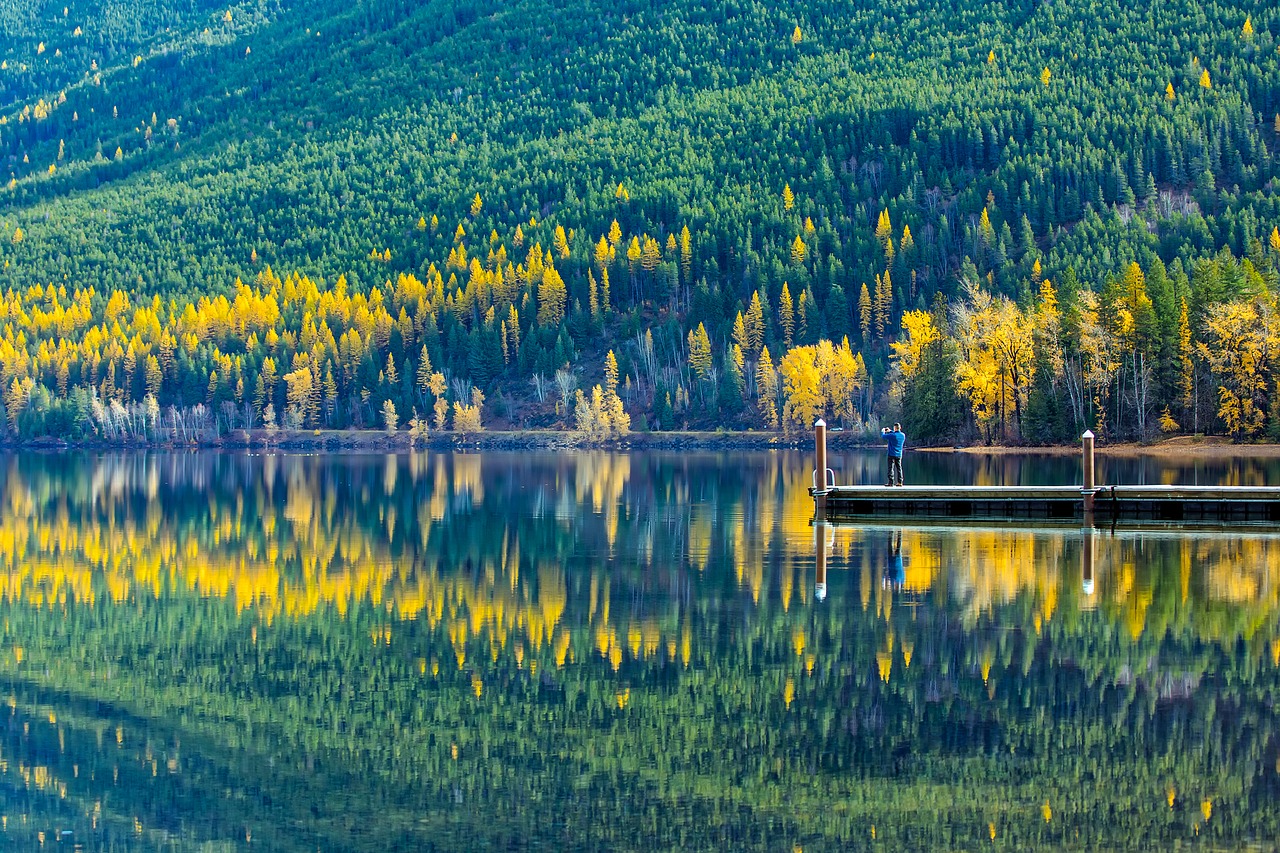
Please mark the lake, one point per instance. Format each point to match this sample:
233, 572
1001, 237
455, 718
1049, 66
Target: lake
613, 651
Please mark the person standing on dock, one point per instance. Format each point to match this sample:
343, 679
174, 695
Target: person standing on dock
894, 439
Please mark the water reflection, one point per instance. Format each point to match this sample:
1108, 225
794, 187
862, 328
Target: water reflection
609, 651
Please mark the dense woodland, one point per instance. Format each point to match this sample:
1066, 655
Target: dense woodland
501, 650
1000, 223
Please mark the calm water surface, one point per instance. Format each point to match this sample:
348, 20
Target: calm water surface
596, 651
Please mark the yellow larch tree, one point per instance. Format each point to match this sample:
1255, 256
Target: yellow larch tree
797, 36
767, 389
788, 197
787, 316
1205, 83
700, 352
1046, 75
477, 204
798, 251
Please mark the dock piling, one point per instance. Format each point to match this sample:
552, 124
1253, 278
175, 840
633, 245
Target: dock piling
1088, 473
820, 469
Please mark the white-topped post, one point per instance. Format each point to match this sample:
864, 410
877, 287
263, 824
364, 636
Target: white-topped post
1087, 447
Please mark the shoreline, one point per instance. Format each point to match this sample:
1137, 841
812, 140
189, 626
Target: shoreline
356, 441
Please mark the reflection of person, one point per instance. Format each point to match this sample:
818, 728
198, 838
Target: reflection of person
894, 440
895, 572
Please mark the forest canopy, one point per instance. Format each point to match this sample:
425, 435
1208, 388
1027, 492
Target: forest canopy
712, 189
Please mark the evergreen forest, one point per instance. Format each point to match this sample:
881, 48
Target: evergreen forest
1002, 222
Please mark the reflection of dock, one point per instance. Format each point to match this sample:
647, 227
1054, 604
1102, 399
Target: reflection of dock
1091, 502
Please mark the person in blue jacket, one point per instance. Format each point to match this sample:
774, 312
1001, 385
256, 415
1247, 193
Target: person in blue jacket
894, 439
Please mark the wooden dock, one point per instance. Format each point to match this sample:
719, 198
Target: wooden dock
1090, 502
1151, 503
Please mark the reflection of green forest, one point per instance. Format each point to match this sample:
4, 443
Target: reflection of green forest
607, 651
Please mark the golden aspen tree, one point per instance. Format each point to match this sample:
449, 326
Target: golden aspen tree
803, 398
786, 316
767, 389
1045, 76
476, 204
797, 36
788, 197
1204, 80
1168, 92
700, 352
798, 250
918, 331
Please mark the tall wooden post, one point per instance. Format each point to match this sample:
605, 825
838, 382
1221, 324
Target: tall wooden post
820, 470
1088, 481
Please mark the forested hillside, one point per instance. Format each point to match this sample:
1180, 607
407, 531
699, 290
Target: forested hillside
1010, 221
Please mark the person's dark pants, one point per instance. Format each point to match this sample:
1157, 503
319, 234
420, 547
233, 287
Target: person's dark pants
895, 468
